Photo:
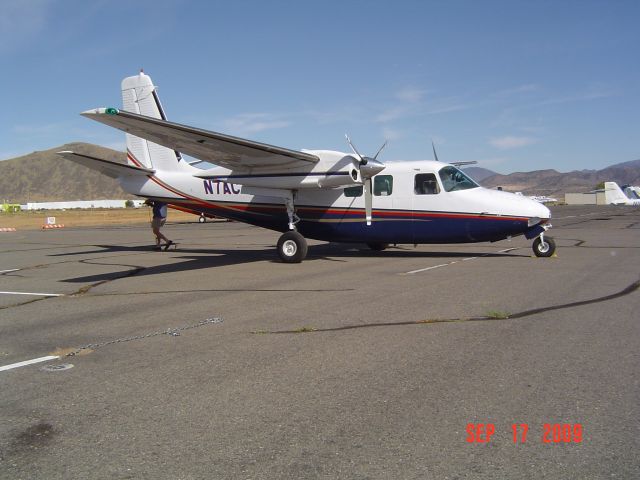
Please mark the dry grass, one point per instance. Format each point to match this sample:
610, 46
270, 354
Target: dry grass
87, 218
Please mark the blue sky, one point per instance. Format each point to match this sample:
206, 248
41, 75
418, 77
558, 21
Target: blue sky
514, 85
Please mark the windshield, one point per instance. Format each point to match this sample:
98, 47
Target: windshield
454, 179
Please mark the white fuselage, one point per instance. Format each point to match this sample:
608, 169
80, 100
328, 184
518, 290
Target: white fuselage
402, 212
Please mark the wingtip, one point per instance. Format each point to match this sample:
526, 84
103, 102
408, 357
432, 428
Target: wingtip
100, 111
92, 112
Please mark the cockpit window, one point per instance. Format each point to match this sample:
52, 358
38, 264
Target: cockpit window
630, 193
454, 179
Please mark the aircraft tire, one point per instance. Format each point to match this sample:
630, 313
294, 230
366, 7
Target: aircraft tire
292, 247
545, 249
202, 219
377, 247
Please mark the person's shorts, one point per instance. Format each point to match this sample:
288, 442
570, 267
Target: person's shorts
158, 222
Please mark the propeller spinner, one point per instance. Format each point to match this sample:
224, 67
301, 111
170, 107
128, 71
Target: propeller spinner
368, 168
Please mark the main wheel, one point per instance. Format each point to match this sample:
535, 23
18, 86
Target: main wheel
544, 248
292, 247
377, 247
202, 219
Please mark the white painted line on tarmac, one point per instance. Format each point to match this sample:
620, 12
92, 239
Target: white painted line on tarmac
428, 268
11, 270
34, 294
28, 362
412, 272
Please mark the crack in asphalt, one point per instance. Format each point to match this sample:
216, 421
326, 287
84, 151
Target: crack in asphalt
82, 290
582, 244
86, 288
526, 313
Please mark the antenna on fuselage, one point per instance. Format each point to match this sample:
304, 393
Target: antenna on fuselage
435, 155
455, 164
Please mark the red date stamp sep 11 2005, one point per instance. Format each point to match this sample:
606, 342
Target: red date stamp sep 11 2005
550, 433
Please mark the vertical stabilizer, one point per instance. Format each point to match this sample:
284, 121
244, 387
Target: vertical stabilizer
614, 194
139, 96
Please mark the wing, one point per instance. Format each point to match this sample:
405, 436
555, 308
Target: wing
108, 167
224, 150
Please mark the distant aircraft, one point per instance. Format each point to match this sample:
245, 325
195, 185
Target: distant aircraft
320, 194
614, 195
631, 191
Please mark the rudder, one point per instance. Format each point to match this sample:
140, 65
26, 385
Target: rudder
139, 96
614, 194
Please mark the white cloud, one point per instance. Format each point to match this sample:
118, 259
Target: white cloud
409, 105
391, 134
509, 142
592, 94
410, 94
248, 123
447, 108
393, 113
529, 87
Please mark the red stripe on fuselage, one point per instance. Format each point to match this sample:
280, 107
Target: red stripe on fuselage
248, 207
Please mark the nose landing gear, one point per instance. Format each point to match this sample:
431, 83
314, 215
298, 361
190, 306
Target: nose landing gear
544, 246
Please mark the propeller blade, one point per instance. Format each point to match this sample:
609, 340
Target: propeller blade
363, 160
368, 200
375, 157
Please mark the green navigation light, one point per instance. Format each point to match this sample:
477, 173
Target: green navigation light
111, 111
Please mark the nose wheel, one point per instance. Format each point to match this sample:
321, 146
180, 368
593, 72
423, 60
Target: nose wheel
544, 246
292, 247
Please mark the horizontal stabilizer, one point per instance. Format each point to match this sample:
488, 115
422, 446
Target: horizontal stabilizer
107, 167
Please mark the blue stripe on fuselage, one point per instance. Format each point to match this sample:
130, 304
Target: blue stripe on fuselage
388, 226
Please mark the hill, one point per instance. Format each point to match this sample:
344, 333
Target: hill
47, 177
554, 183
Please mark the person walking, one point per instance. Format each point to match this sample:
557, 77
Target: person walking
158, 221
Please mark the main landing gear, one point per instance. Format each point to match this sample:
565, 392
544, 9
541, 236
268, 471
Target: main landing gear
292, 247
544, 246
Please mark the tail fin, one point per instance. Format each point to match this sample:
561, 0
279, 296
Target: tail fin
139, 96
614, 194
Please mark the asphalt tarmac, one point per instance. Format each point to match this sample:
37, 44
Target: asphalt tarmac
217, 361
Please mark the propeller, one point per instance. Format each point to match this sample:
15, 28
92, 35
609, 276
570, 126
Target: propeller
368, 168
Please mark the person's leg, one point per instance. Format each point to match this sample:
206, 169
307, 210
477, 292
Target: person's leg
162, 237
155, 227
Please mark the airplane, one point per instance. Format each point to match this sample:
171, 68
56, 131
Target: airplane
614, 195
317, 194
631, 191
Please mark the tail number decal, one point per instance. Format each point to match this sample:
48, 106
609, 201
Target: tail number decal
217, 187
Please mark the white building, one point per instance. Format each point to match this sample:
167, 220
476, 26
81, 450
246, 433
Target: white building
80, 204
